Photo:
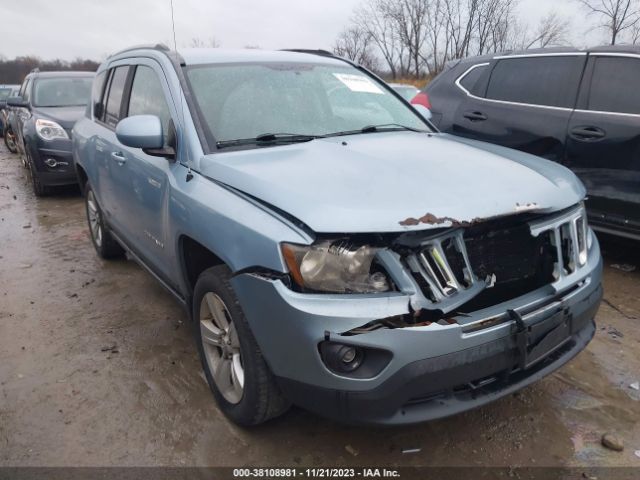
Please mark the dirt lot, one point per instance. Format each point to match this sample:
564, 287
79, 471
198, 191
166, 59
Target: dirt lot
98, 368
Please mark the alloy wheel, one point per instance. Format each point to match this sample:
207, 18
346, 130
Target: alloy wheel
221, 347
95, 222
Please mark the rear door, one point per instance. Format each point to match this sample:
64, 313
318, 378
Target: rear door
523, 102
603, 143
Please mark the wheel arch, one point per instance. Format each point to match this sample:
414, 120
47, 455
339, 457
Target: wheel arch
83, 178
195, 258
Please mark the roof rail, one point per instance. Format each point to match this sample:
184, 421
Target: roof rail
323, 53
151, 46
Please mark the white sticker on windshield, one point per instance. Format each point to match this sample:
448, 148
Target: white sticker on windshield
358, 83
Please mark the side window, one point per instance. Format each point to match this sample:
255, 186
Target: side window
148, 98
470, 80
23, 87
26, 93
613, 85
550, 81
97, 89
114, 100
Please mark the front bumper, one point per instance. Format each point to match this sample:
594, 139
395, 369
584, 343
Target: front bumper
63, 173
433, 371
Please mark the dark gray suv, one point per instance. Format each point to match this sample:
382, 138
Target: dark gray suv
45, 110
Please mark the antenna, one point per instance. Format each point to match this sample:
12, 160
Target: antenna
175, 50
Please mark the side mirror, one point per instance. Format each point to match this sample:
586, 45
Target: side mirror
17, 102
145, 132
423, 111
140, 131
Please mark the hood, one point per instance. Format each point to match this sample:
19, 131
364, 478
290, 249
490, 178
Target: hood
65, 116
395, 181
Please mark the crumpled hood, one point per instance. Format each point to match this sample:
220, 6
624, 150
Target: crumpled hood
395, 181
65, 116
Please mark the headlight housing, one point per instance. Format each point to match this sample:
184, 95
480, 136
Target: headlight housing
50, 130
338, 267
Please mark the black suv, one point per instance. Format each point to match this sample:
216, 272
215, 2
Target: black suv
580, 108
45, 110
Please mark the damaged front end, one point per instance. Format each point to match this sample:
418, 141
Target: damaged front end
454, 272
422, 324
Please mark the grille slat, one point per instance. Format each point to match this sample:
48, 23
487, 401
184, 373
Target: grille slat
518, 257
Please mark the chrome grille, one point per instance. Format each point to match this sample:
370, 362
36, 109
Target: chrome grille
569, 237
453, 267
433, 264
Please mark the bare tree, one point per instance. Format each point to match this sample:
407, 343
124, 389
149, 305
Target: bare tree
375, 18
412, 18
414, 37
197, 42
635, 34
551, 31
497, 25
354, 43
617, 15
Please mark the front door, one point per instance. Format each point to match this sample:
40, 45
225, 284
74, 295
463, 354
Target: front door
143, 180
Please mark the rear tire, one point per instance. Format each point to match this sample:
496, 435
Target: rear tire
236, 371
106, 246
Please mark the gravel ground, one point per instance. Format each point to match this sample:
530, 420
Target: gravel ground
98, 368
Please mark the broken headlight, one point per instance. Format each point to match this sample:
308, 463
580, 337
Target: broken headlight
338, 267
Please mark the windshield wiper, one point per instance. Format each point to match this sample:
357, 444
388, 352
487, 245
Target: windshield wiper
268, 139
387, 127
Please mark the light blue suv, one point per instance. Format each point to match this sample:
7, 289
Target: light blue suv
334, 249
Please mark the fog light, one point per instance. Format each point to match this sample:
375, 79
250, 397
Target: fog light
349, 355
51, 162
352, 360
342, 358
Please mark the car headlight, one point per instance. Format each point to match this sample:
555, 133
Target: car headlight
49, 130
338, 267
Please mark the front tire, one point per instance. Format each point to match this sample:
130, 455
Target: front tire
106, 246
236, 371
39, 189
10, 140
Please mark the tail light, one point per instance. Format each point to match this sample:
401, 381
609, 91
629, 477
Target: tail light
422, 99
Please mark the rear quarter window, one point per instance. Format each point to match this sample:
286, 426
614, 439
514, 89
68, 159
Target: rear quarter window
546, 81
470, 80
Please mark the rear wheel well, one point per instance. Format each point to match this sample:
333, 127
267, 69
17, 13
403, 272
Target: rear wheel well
196, 259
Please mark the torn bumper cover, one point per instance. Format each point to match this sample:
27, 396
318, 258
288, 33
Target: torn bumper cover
429, 369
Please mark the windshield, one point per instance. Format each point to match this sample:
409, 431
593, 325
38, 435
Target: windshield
244, 101
407, 92
5, 93
62, 91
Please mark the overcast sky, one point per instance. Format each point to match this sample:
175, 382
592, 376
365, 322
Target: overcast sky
96, 28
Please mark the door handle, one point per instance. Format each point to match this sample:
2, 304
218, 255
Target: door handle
118, 157
588, 133
475, 116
